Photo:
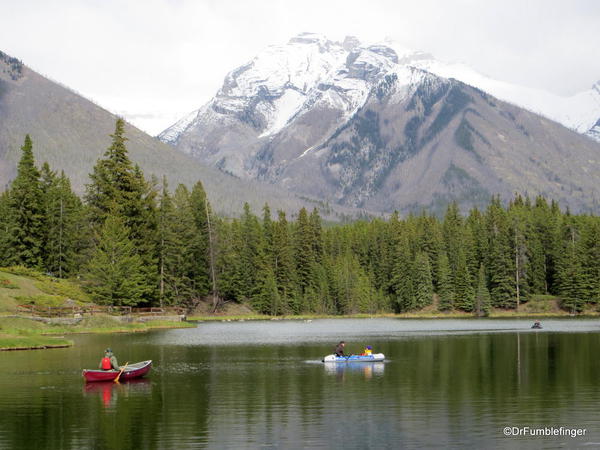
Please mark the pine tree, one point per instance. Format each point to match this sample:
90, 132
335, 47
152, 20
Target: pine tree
115, 274
304, 254
351, 286
118, 188
591, 258
5, 217
267, 299
112, 181
167, 247
463, 284
445, 288
402, 282
571, 279
483, 301
500, 259
423, 285
252, 256
316, 232
180, 257
26, 219
201, 244
284, 265
65, 225
229, 265
453, 232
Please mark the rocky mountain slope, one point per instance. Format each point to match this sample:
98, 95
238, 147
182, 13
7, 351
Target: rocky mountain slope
71, 133
378, 128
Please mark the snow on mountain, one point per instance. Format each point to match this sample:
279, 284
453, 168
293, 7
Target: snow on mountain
283, 80
578, 112
384, 127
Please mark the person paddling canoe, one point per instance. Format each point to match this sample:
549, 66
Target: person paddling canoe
339, 350
109, 362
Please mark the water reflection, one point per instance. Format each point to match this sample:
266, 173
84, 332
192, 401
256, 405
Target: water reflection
367, 369
109, 392
455, 390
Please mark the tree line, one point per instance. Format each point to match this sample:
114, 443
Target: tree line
132, 241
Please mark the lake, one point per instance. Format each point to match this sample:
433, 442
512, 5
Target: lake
445, 383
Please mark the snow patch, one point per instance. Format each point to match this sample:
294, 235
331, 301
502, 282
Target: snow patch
284, 109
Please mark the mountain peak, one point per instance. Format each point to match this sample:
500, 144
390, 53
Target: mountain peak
309, 38
350, 43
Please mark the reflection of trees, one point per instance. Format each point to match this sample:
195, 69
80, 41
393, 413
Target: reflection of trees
436, 387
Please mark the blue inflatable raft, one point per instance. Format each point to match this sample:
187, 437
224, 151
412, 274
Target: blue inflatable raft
354, 358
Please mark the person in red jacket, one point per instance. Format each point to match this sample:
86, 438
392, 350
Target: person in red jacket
109, 362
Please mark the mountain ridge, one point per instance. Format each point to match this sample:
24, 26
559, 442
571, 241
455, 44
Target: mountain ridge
357, 136
71, 133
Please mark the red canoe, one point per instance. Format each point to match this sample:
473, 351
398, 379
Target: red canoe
131, 371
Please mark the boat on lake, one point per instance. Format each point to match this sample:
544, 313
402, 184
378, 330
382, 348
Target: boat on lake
354, 358
132, 371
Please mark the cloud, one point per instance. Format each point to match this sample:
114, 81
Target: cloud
164, 58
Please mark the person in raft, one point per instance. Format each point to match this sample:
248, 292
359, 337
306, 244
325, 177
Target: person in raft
339, 350
368, 351
109, 362
537, 324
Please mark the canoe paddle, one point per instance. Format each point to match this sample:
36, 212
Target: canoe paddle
122, 369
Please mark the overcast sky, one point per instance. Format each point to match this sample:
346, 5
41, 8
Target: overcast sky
153, 61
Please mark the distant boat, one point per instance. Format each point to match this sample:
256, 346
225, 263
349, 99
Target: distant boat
354, 358
136, 370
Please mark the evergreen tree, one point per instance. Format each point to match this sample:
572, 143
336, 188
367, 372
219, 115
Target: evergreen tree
463, 284
316, 232
26, 219
201, 243
483, 301
267, 300
253, 262
351, 287
118, 188
115, 274
591, 258
168, 247
304, 254
571, 279
445, 288
65, 225
452, 230
402, 282
5, 217
423, 285
500, 261
284, 265
229, 265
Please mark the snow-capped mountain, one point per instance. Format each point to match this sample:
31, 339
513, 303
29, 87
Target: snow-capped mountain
579, 112
383, 127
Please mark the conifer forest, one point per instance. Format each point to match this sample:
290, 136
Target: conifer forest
140, 242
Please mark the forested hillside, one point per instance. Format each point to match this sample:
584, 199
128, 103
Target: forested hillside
133, 244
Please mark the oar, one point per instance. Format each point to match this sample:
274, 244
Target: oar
122, 369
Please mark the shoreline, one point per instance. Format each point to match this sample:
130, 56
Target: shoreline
25, 333
404, 316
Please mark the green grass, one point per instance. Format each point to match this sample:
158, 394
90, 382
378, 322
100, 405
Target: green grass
27, 333
20, 285
32, 342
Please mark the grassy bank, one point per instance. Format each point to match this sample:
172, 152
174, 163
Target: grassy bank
21, 286
23, 333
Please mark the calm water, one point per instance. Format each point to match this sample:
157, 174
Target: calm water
446, 383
